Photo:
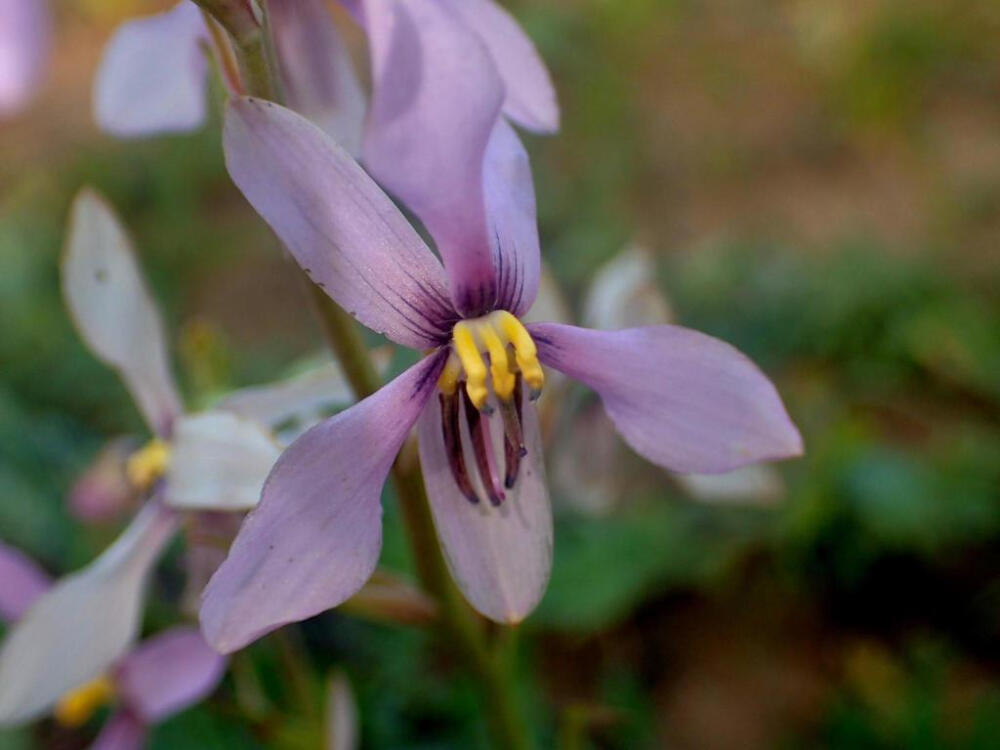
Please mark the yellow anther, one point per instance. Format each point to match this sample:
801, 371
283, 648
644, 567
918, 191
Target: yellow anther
467, 349
448, 382
77, 706
525, 351
503, 378
148, 464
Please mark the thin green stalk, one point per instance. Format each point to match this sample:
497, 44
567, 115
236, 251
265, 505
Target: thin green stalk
461, 625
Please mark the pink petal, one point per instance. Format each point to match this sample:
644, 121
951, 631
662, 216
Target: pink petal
153, 77
21, 582
111, 305
315, 537
123, 731
531, 98
24, 47
168, 673
317, 71
510, 205
500, 557
341, 228
104, 492
437, 96
684, 400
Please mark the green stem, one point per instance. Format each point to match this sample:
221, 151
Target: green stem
462, 627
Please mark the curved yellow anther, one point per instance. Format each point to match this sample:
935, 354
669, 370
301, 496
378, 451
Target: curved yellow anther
148, 464
77, 706
503, 378
467, 349
448, 382
525, 351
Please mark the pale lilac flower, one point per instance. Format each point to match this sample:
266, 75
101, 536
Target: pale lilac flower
681, 399
104, 491
153, 77
161, 676
25, 30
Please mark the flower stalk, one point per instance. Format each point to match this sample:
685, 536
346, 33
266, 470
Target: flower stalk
462, 627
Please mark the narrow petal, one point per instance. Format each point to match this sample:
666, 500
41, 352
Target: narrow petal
437, 96
302, 397
684, 400
341, 714
341, 228
22, 581
530, 97
510, 206
113, 310
153, 77
759, 484
76, 630
219, 461
123, 731
168, 673
500, 556
24, 47
315, 537
317, 71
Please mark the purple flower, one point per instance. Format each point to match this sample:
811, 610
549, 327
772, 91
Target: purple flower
153, 77
161, 676
25, 28
681, 399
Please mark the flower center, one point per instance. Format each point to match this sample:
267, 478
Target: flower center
148, 464
494, 349
511, 351
77, 706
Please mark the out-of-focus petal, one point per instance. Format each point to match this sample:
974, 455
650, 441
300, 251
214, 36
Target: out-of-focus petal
302, 397
22, 581
113, 310
123, 731
168, 673
500, 557
208, 537
684, 400
510, 209
104, 492
24, 47
315, 537
219, 461
388, 598
530, 97
341, 714
153, 77
623, 294
436, 98
594, 484
759, 484
317, 71
76, 630
341, 228
550, 305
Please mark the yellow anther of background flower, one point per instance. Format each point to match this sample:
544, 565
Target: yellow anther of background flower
148, 464
77, 706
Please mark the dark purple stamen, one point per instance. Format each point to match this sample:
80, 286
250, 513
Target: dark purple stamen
453, 445
513, 437
482, 448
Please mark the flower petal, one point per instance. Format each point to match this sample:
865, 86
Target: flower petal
121, 732
341, 228
437, 96
75, 631
112, 308
219, 461
302, 397
22, 581
24, 47
104, 492
684, 400
153, 77
531, 98
317, 71
341, 714
500, 557
510, 206
316, 535
168, 673
624, 294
